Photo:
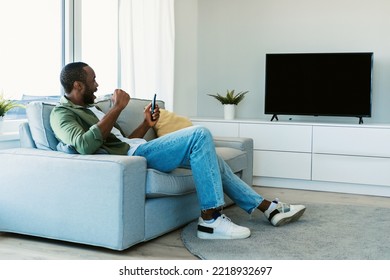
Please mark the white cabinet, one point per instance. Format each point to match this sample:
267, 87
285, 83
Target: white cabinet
275, 137
316, 156
282, 164
346, 140
220, 128
351, 169
282, 151
352, 154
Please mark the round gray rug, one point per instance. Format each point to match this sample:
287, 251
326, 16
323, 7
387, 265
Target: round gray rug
324, 232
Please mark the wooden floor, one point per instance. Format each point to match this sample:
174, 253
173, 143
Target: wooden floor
169, 246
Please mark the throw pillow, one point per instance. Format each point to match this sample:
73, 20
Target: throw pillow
170, 122
38, 115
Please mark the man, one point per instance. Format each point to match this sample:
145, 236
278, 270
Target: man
78, 124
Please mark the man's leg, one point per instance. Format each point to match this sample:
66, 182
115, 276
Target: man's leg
194, 147
278, 213
242, 194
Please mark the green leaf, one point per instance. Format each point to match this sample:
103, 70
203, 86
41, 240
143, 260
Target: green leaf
230, 97
6, 105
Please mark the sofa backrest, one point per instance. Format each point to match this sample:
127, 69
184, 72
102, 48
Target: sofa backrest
41, 134
132, 116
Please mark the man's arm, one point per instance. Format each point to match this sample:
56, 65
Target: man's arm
120, 99
149, 121
66, 126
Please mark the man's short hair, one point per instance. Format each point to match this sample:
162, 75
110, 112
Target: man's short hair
71, 73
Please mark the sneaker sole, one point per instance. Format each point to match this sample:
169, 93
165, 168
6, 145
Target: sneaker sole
288, 219
204, 235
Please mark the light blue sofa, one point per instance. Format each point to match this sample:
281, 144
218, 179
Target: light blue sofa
102, 200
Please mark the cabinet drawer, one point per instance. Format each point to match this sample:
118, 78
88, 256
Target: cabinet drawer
220, 128
274, 137
282, 164
352, 141
351, 169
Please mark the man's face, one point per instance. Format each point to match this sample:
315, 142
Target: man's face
90, 86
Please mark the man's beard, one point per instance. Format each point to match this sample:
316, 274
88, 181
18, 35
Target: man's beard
88, 97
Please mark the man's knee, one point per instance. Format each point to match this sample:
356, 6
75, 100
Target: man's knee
202, 131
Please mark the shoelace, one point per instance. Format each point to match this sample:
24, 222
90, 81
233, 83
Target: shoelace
223, 216
281, 206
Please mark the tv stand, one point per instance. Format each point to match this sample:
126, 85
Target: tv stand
351, 158
275, 117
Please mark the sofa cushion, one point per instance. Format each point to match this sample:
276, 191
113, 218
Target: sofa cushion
170, 122
180, 181
38, 115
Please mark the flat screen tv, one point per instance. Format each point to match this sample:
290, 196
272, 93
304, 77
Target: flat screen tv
318, 84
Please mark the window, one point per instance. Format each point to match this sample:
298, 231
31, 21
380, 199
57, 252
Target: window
129, 44
99, 41
30, 48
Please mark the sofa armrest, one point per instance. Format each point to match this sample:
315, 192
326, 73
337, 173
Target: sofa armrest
91, 199
243, 144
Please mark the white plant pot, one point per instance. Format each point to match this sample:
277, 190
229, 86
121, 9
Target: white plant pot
229, 111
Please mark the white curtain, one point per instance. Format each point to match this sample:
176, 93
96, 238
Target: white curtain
146, 48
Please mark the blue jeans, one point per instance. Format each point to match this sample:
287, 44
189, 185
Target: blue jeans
193, 147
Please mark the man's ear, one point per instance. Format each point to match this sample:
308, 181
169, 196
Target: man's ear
78, 85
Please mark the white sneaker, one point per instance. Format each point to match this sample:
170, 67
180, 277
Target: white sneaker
221, 228
284, 213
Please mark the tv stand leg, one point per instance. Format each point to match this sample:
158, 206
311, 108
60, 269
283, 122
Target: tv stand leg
360, 120
274, 117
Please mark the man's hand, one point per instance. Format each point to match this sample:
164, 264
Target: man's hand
120, 99
149, 118
148, 122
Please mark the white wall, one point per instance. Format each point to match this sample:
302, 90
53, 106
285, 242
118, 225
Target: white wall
186, 57
231, 39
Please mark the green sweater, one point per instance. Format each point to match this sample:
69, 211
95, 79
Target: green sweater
77, 126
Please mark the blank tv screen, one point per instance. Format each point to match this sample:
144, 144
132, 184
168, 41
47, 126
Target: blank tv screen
319, 84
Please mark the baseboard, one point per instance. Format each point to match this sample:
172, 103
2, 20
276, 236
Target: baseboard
373, 190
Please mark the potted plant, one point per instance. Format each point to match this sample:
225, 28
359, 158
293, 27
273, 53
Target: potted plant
6, 105
230, 100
